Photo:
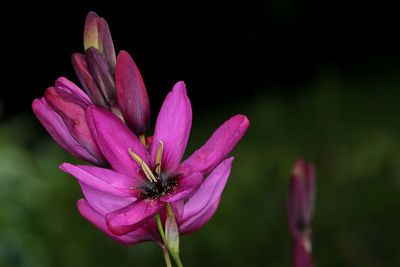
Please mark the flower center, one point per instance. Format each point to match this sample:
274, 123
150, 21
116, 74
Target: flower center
158, 183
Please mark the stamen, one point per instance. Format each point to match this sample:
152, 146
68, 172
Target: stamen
158, 158
149, 175
142, 139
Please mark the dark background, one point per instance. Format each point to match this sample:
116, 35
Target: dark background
318, 81
221, 52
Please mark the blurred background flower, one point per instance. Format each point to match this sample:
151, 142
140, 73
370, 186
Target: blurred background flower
317, 81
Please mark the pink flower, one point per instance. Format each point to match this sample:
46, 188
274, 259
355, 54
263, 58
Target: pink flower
190, 216
143, 180
62, 113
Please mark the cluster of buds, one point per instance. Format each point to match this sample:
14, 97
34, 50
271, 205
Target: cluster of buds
300, 209
111, 83
114, 84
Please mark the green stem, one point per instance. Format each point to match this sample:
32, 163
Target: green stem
169, 209
175, 255
177, 260
166, 256
142, 139
160, 228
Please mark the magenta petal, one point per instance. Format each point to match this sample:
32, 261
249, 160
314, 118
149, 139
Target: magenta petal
217, 147
186, 186
104, 202
105, 180
56, 127
88, 212
132, 94
133, 216
172, 128
70, 92
70, 103
201, 206
115, 139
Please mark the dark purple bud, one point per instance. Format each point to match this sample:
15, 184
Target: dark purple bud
92, 35
301, 257
300, 202
87, 82
101, 73
131, 94
97, 35
108, 45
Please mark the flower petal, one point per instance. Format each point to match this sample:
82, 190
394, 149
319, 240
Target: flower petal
202, 205
217, 147
140, 235
104, 202
172, 128
56, 127
186, 186
105, 180
70, 102
132, 95
115, 139
71, 92
133, 216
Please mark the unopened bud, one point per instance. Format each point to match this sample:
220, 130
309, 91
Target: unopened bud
300, 202
97, 35
171, 232
132, 94
101, 73
87, 81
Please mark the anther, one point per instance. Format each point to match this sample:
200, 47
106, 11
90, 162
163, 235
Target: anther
158, 158
149, 174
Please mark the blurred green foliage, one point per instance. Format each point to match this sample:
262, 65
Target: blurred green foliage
347, 126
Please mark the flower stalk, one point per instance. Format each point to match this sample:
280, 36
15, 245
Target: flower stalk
166, 256
170, 236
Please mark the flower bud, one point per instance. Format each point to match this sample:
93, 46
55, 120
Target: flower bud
101, 73
300, 202
87, 81
300, 257
131, 94
92, 34
97, 35
62, 113
171, 232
